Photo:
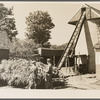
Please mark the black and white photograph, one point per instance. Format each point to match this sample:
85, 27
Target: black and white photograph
49, 46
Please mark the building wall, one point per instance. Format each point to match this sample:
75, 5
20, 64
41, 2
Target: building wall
90, 40
97, 56
87, 40
5, 45
4, 54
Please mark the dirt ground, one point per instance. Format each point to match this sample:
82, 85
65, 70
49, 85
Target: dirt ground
81, 82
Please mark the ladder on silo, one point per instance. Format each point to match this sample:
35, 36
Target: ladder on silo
73, 40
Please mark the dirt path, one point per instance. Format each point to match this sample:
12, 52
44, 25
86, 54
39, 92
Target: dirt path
83, 82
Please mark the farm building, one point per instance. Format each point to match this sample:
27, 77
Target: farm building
4, 45
54, 55
89, 36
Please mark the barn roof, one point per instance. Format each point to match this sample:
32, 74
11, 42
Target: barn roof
5, 42
50, 52
91, 13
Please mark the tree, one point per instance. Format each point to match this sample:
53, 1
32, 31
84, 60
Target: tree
23, 48
59, 46
7, 22
38, 27
47, 45
53, 47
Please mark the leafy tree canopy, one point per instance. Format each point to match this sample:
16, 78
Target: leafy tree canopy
7, 22
38, 27
23, 48
59, 46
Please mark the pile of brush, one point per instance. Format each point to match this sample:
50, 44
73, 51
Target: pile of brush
23, 73
18, 72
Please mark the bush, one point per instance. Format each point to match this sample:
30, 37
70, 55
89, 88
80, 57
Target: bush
23, 48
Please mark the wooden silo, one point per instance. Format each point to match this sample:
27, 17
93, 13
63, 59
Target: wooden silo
89, 35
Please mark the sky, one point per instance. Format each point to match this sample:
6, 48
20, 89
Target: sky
60, 12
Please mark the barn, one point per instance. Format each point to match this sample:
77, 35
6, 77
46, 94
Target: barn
89, 38
53, 54
5, 44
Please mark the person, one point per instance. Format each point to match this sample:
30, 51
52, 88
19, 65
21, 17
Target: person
32, 76
48, 80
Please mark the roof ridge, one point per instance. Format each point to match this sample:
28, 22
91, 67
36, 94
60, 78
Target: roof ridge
93, 11
98, 11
